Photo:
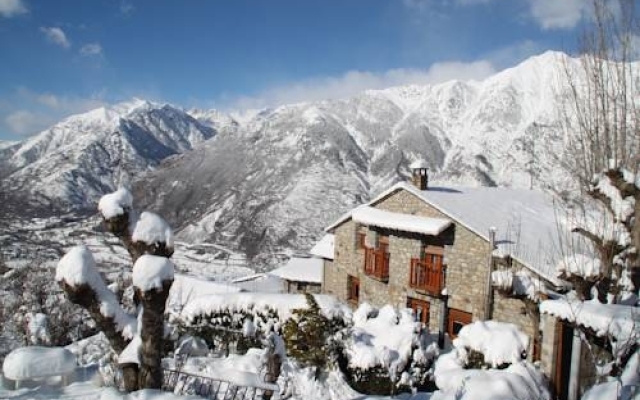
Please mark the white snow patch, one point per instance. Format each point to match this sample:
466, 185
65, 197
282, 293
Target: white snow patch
499, 342
386, 339
301, 269
152, 228
579, 265
114, 204
131, 353
38, 362
284, 304
324, 248
149, 272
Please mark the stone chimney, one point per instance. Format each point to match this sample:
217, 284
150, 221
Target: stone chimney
419, 175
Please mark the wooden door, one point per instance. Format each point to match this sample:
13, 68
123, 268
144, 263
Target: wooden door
421, 309
562, 357
456, 320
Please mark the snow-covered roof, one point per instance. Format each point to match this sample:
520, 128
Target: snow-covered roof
617, 321
524, 220
324, 247
299, 269
401, 222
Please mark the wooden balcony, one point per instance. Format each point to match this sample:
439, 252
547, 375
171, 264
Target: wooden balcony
427, 275
376, 264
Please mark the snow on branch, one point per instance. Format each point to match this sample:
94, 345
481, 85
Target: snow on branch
152, 229
78, 268
579, 265
115, 204
149, 272
621, 203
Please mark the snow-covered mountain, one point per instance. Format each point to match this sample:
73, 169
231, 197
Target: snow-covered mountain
270, 180
274, 181
73, 163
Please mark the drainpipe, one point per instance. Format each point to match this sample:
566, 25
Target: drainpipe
574, 374
488, 304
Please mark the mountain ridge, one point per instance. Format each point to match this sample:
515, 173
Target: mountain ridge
266, 183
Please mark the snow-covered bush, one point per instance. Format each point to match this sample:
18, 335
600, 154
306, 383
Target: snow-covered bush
244, 319
387, 351
34, 310
504, 373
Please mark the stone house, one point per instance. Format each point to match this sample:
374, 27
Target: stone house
434, 249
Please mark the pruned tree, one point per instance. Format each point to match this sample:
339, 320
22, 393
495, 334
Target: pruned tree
137, 338
602, 126
602, 137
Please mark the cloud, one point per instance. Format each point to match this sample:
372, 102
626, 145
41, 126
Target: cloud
509, 56
57, 36
554, 14
126, 8
91, 49
23, 122
354, 82
10, 8
32, 111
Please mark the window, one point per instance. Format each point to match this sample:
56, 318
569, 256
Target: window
456, 320
376, 260
427, 272
353, 289
360, 238
420, 309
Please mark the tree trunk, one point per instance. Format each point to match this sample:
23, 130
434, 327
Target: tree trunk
152, 335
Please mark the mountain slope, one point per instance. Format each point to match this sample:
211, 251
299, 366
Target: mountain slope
273, 183
270, 180
73, 163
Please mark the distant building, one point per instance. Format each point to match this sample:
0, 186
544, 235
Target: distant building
301, 275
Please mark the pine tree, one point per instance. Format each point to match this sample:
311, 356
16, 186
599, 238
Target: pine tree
306, 336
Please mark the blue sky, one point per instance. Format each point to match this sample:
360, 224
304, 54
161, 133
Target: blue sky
67, 56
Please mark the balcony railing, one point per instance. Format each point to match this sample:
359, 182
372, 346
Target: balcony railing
427, 276
376, 264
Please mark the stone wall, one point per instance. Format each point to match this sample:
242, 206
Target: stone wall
466, 258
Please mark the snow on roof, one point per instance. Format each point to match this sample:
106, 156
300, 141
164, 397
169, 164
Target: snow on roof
499, 342
38, 362
402, 222
78, 267
150, 271
524, 220
616, 321
324, 248
419, 164
284, 304
152, 228
113, 204
301, 269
